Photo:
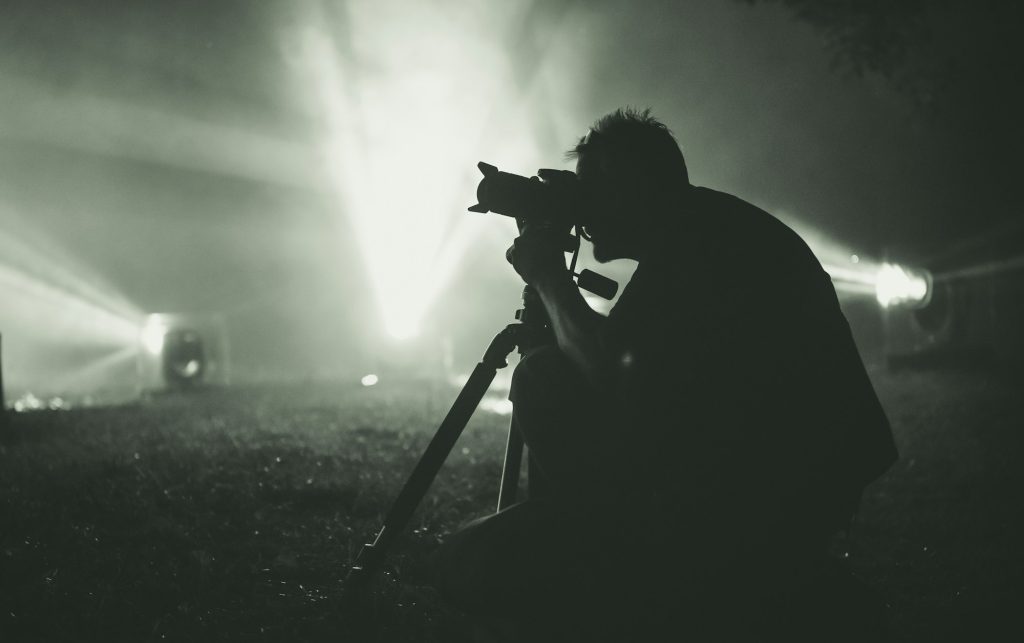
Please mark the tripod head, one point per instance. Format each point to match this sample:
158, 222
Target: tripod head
535, 325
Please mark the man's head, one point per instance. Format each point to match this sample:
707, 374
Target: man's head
631, 166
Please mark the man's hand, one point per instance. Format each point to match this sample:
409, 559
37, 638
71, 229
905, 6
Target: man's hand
537, 254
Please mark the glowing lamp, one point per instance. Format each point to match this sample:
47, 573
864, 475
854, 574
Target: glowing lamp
181, 351
369, 380
896, 285
184, 358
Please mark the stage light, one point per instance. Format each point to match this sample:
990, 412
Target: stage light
184, 357
182, 351
369, 380
896, 284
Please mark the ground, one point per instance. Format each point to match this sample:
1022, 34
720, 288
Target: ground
233, 514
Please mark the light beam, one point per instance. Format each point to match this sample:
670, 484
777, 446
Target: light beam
58, 312
406, 104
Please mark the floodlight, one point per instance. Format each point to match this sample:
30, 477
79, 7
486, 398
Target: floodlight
181, 351
184, 358
896, 284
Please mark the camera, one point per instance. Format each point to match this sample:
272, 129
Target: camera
560, 202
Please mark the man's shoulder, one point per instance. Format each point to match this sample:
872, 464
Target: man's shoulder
709, 196
727, 210
743, 231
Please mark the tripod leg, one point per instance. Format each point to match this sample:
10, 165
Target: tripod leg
510, 471
371, 555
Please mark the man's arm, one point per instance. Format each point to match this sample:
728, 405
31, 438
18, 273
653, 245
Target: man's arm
577, 329
540, 261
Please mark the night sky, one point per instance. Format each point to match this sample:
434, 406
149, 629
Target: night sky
169, 154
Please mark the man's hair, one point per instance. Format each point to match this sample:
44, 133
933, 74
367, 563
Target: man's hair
634, 141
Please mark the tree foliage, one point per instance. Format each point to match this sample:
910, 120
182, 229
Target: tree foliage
959, 62
939, 52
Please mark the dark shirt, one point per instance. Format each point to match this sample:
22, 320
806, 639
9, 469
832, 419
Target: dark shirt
744, 400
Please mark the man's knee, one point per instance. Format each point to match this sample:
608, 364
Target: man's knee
459, 567
488, 562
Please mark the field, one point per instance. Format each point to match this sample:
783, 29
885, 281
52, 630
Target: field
232, 515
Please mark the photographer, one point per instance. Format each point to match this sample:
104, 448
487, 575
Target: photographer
699, 446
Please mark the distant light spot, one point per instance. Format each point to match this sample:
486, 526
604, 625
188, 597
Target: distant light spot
895, 285
369, 380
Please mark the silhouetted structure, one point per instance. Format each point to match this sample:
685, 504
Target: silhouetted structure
3, 396
699, 446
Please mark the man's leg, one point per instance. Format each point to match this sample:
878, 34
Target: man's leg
541, 561
564, 423
539, 570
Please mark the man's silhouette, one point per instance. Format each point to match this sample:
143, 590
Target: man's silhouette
699, 445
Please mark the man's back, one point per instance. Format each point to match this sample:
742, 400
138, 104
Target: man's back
745, 395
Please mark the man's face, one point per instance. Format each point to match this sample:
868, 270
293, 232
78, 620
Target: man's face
614, 209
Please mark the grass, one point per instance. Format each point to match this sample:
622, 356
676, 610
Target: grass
233, 515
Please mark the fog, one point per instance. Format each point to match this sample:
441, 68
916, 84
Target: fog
303, 169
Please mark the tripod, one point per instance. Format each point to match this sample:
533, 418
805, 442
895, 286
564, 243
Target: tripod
532, 330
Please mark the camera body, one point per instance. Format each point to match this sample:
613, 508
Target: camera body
559, 202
